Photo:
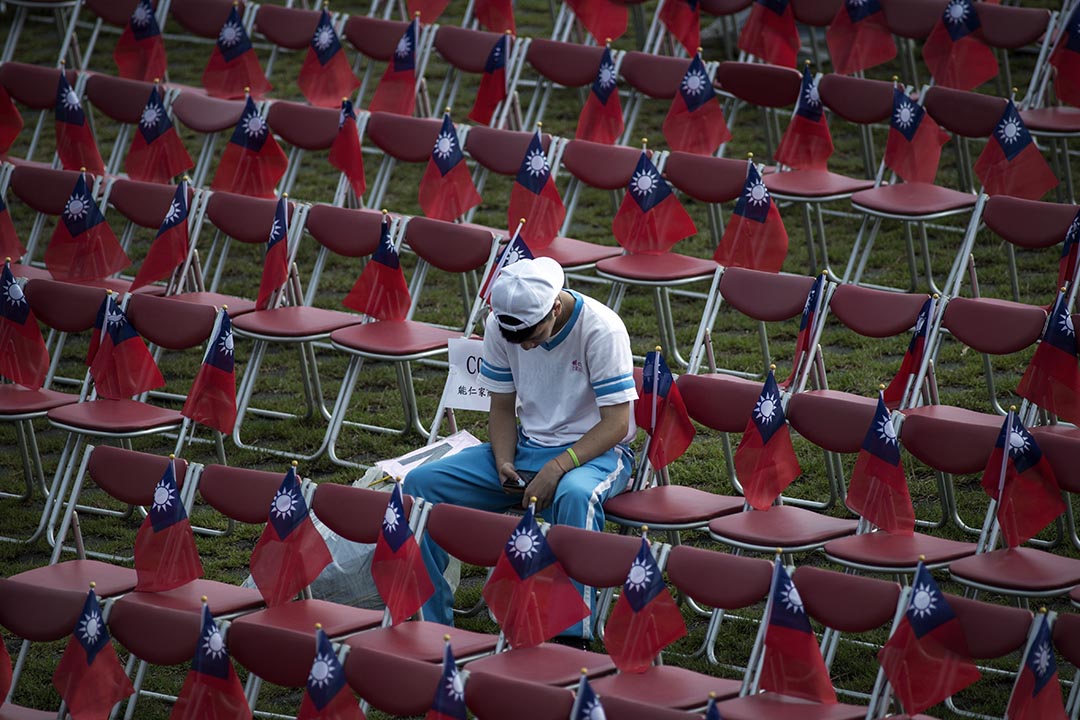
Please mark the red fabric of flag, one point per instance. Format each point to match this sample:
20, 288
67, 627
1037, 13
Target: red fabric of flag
1066, 61
140, 51
211, 691
326, 75
765, 459
24, 357
396, 92
345, 152
1052, 378
83, 246
1037, 693
955, 53
327, 695
165, 552
650, 219
682, 18
11, 122
122, 366
276, 258
381, 291
252, 162
397, 566
878, 490
1011, 163
601, 118
770, 33
535, 198
211, 401
10, 245
807, 143
913, 357
858, 37
603, 19
157, 153
170, 247
492, 89
446, 190
755, 236
233, 70
75, 143
913, 149
495, 15
661, 413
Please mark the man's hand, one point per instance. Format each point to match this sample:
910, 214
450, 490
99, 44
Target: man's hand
508, 476
543, 485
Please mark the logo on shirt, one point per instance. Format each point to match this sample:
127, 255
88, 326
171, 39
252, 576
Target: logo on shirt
577, 366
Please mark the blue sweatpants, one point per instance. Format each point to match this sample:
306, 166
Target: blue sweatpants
470, 479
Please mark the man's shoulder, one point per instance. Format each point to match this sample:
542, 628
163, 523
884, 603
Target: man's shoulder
598, 314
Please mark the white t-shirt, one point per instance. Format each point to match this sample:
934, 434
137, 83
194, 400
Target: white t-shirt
561, 384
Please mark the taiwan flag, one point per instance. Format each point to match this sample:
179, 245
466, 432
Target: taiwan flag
661, 413
89, 676
605, 20
792, 664
381, 291
11, 122
447, 191
1011, 163
1022, 481
770, 33
211, 401
1067, 267
755, 237
252, 163
495, 15
878, 490
1037, 693
397, 566
913, 357
1066, 60
24, 358
327, 696
396, 92
170, 247
449, 700
492, 89
10, 245
276, 258
927, 658
234, 70
645, 619
529, 593
75, 144
535, 198
157, 153
121, 365
765, 460
913, 149
682, 18
695, 122
140, 51
955, 52
515, 250
807, 325
211, 691
345, 152
807, 143
326, 75
428, 10
290, 553
1052, 378
858, 37
83, 246
650, 219
601, 119
165, 552
587, 705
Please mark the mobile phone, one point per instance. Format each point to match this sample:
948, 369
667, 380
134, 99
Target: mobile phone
519, 485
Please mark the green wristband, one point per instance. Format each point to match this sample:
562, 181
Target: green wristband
573, 456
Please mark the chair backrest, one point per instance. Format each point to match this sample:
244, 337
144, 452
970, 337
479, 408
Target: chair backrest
33, 85
114, 12
464, 48
770, 86
965, 113
991, 631
848, 603
656, 76
721, 8
608, 167
144, 203
950, 439
169, 323
1028, 223
408, 139
817, 13
597, 559
694, 572
1060, 445
720, 402
374, 37
451, 247
203, 17
62, 306
37, 612
855, 99
174, 640
239, 493
617, 708
396, 685
354, 513
995, 327
287, 27
1067, 637
43, 189
834, 421
242, 217
494, 696
875, 313
205, 114
565, 63
764, 296
345, 231
1011, 27
705, 178
913, 19
500, 151
130, 476
476, 537
307, 127
120, 99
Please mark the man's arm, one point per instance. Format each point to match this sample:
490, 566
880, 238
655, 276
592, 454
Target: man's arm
601, 437
502, 433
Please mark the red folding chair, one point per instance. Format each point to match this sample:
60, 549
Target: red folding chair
492, 695
122, 102
209, 117
394, 684
34, 87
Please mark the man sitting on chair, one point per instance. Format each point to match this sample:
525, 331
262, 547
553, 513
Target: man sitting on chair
561, 361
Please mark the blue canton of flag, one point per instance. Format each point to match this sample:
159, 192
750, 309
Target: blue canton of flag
1011, 133
90, 628
279, 231
288, 508
656, 371
346, 113
809, 101
787, 605
754, 203
449, 699
220, 352
646, 186
325, 41
861, 9
769, 414
960, 19
527, 550
604, 84
644, 581
327, 676
395, 525
68, 106
1040, 658
178, 209
15, 307
1072, 235
154, 121
534, 171
696, 88
233, 40
516, 250
211, 654
251, 132
1059, 327
907, 115
447, 150
1024, 452
1073, 30
812, 304
116, 323
143, 23
405, 52
81, 211
776, 6
166, 509
496, 59
927, 609
386, 253
880, 440
587, 703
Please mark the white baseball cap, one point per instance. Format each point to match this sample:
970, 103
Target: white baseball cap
525, 291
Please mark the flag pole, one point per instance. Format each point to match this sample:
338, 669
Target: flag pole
655, 387
1009, 420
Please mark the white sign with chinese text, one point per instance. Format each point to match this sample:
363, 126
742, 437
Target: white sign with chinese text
462, 390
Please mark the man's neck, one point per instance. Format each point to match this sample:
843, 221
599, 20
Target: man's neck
566, 310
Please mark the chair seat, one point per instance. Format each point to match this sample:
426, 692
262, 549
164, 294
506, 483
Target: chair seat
787, 527
1065, 120
30, 272
420, 640
393, 338
667, 505
121, 286
912, 200
667, 267
884, 552
547, 664
970, 436
223, 598
237, 306
113, 416
19, 400
667, 686
78, 574
571, 253
833, 420
817, 184
1020, 571
10, 711
294, 322
773, 706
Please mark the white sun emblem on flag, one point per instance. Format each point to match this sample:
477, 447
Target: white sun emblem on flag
694, 82
324, 35
77, 207
322, 671
758, 194
956, 13
812, 98
13, 293
905, 115
254, 125
226, 343
856, 2
537, 163
403, 46
1067, 325
444, 145
639, 576
275, 229
886, 431
607, 75
455, 686
284, 504
923, 601
791, 598
766, 408
1074, 229
71, 100
523, 544
114, 318
1009, 131
151, 115
173, 213
214, 644
594, 711
230, 34
514, 256
1018, 442
643, 183
341, 117
390, 518
91, 627
920, 323
389, 245
163, 496
141, 16
1042, 659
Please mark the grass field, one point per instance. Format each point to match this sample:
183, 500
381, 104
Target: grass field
853, 363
